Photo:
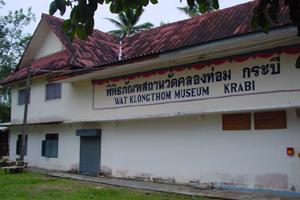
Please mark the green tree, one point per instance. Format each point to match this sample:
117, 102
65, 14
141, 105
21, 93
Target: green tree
127, 23
81, 20
12, 44
4, 113
191, 12
162, 23
195, 10
12, 38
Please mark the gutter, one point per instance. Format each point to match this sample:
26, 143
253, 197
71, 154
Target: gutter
31, 123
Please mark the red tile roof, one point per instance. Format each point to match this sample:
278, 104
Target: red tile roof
54, 61
221, 24
103, 49
100, 48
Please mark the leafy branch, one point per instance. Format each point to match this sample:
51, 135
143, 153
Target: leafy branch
81, 20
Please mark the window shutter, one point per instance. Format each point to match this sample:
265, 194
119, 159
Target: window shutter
55, 148
58, 90
43, 148
21, 99
47, 92
53, 91
18, 147
240, 121
51, 145
48, 148
270, 120
26, 141
22, 96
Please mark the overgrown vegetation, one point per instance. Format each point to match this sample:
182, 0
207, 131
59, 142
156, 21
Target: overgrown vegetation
81, 20
195, 9
4, 112
13, 41
40, 187
127, 23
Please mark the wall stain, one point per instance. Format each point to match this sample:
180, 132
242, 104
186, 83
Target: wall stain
123, 173
230, 180
272, 181
106, 171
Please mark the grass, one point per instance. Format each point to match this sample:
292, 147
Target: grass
40, 187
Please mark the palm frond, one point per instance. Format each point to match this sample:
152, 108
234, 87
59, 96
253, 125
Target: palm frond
144, 26
137, 15
123, 18
191, 12
126, 22
129, 15
118, 33
115, 22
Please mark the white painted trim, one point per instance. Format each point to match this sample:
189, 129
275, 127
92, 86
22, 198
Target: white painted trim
3, 129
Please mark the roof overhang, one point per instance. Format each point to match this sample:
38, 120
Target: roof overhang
5, 124
2, 129
32, 47
246, 43
8, 124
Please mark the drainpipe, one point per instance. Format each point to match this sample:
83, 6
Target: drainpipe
23, 128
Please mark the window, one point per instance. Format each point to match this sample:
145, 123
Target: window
22, 96
50, 146
19, 144
53, 91
237, 121
270, 120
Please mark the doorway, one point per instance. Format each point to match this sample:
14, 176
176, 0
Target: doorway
90, 151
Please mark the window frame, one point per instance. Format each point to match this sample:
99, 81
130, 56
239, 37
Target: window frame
23, 91
19, 144
51, 141
53, 91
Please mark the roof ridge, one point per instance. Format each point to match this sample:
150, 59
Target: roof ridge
168, 24
61, 19
52, 16
196, 17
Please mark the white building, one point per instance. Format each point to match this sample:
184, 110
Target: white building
206, 100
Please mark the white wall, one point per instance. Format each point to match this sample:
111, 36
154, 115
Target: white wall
44, 42
68, 145
180, 148
276, 91
196, 148
40, 109
50, 45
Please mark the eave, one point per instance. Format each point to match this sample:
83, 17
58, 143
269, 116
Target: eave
282, 36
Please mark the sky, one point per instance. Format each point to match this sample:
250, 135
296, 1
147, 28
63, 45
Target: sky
165, 10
